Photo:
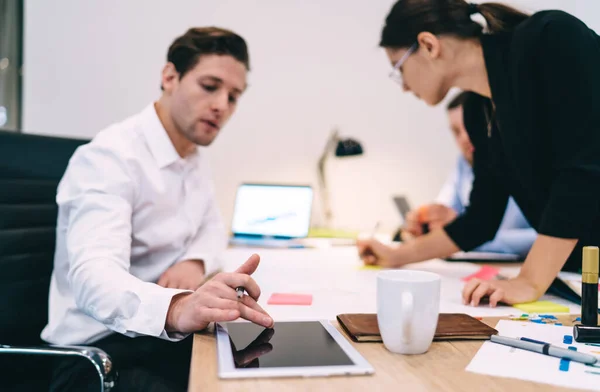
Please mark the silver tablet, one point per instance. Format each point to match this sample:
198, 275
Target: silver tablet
289, 349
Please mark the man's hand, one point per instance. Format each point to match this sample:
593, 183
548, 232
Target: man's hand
434, 215
216, 301
511, 291
187, 275
373, 252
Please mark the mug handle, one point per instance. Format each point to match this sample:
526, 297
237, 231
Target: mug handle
407, 315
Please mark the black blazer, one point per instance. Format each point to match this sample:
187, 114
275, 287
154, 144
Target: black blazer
543, 144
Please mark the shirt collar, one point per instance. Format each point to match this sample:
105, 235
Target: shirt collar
158, 140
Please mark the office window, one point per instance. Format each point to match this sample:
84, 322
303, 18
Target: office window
11, 60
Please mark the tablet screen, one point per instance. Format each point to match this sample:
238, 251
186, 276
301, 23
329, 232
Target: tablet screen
288, 344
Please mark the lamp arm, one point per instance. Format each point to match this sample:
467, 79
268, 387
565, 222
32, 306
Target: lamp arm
324, 191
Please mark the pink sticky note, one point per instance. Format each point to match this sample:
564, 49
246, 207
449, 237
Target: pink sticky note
485, 273
290, 299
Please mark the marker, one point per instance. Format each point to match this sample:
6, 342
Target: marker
546, 349
240, 292
587, 335
589, 286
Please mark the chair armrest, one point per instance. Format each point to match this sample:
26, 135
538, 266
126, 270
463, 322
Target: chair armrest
98, 358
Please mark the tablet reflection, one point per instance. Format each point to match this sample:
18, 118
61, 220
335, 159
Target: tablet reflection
248, 357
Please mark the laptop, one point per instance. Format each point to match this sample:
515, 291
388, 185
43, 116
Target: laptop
403, 207
271, 215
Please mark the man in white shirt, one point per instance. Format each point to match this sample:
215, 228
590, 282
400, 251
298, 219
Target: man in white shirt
139, 229
514, 235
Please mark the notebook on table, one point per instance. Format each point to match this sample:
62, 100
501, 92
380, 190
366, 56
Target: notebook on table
362, 327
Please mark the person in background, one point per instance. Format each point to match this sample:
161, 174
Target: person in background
139, 230
534, 122
514, 235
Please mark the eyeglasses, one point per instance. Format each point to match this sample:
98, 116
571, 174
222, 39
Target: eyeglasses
396, 74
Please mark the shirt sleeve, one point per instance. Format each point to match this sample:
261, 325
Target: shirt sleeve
515, 241
210, 240
448, 195
488, 200
98, 193
515, 235
567, 72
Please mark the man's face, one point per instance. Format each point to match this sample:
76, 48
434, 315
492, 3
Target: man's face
455, 117
202, 101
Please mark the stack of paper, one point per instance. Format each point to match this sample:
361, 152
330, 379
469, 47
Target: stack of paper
503, 361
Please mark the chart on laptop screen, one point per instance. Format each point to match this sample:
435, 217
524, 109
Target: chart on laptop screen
272, 210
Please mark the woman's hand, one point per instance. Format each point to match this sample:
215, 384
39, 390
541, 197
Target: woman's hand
511, 291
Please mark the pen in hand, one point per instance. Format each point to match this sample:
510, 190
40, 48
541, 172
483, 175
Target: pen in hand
374, 231
368, 251
239, 292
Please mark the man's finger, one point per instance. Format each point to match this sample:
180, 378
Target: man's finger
235, 280
250, 302
256, 317
221, 290
209, 315
250, 265
436, 225
370, 259
220, 303
423, 214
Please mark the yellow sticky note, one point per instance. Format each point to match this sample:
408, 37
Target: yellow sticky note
369, 267
542, 307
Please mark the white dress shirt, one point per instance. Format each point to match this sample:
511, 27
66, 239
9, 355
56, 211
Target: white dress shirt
129, 208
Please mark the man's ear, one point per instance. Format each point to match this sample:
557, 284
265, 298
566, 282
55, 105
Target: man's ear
430, 44
170, 77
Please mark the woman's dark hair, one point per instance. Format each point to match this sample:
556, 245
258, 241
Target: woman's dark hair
408, 18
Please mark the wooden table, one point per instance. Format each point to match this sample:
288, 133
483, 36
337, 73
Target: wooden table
442, 368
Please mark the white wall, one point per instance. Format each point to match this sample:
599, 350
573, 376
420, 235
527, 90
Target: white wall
315, 64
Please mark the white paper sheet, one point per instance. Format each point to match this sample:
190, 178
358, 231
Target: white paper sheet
503, 361
339, 285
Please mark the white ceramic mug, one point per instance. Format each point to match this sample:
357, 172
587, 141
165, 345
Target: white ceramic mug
408, 306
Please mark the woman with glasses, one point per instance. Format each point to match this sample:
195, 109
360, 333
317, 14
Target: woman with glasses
534, 123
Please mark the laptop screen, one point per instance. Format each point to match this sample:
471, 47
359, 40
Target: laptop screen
272, 210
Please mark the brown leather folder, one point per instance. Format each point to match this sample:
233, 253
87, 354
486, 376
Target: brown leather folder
451, 326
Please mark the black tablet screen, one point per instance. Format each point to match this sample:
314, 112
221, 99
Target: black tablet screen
288, 344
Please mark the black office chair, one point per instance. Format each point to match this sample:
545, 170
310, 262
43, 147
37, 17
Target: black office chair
30, 168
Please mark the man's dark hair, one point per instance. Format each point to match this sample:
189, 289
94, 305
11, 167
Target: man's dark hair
187, 49
458, 100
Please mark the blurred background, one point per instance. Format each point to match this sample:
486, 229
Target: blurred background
71, 68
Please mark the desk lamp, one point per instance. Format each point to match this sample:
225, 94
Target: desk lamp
343, 148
